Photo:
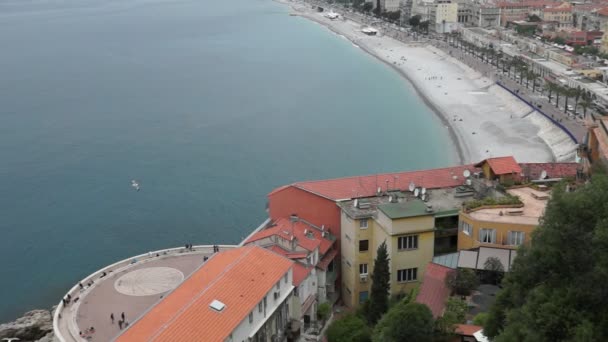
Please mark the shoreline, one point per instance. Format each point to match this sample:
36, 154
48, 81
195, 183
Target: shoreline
483, 120
443, 118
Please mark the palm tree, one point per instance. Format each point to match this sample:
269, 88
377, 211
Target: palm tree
568, 92
585, 103
558, 90
533, 77
577, 96
550, 87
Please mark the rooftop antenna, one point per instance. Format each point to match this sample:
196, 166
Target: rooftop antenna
543, 174
466, 173
412, 187
416, 192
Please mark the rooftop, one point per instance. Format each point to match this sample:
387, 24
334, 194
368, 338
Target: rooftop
533, 208
445, 201
502, 165
341, 189
308, 237
238, 278
434, 291
412, 208
131, 286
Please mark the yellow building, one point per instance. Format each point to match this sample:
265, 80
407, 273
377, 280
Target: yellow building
407, 225
502, 227
560, 14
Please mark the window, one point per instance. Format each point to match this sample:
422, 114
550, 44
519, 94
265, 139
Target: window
260, 307
362, 269
408, 242
285, 277
279, 285
363, 223
516, 238
408, 274
363, 245
487, 235
363, 295
466, 228
251, 317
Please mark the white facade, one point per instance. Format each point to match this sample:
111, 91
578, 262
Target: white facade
389, 5
269, 317
444, 17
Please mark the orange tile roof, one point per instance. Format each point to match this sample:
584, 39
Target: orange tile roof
285, 229
366, 186
239, 278
467, 329
502, 165
300, 272
282, 251
434, 291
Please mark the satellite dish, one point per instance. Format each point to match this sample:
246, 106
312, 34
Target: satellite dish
390, 198
466, 173
468, 182
412, 186
416, 192
379, 190
423, 191
543, 174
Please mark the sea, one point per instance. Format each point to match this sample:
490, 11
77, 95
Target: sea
208, 105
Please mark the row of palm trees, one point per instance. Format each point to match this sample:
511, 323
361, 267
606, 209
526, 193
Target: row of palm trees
513, 66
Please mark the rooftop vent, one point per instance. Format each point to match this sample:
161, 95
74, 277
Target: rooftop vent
216, 305
363, 205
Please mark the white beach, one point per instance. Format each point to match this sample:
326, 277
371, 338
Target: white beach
484, 119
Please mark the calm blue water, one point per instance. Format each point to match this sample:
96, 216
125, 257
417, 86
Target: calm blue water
210, 105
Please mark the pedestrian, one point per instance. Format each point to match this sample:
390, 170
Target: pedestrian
81, 286
63, 301
122, 315
69, 298
120, 324
112, 317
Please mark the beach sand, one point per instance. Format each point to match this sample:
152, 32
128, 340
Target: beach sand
483, 119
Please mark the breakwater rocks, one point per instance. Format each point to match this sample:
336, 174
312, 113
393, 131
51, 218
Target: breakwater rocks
35, 325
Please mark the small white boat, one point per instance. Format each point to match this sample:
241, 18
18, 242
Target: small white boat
135, 184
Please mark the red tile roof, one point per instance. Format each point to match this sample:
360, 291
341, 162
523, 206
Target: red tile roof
327, 258
502, 165
285, 229
554, 170
300, 272
282, 251
434, 291
366, 186
467, 329
603, 12
239, 278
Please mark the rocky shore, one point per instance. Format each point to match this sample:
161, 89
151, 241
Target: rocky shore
35, 325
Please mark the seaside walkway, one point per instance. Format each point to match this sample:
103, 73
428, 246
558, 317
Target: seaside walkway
132, 286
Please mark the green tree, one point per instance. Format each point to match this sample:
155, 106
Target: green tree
494, 270
556, 290
412, 322
480, 319
455, 313
347, 329
378, 299
534, 18
462, 281
323, 311
414, 21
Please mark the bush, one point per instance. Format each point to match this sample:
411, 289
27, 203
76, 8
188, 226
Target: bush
406, 322
323, 311
507, 200
480, 319
455, 313
462, 281
347, 329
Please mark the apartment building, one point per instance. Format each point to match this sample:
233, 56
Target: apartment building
560, 14
444, 17
237, 295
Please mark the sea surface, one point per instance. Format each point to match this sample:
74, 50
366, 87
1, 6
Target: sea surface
208, 104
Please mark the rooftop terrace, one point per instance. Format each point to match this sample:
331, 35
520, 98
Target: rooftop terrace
534, 203
132, 286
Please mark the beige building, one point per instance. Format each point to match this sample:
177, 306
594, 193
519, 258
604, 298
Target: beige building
560, 14
502, 227
444, 17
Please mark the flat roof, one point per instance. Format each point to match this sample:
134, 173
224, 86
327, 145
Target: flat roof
533, 209
411, 208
